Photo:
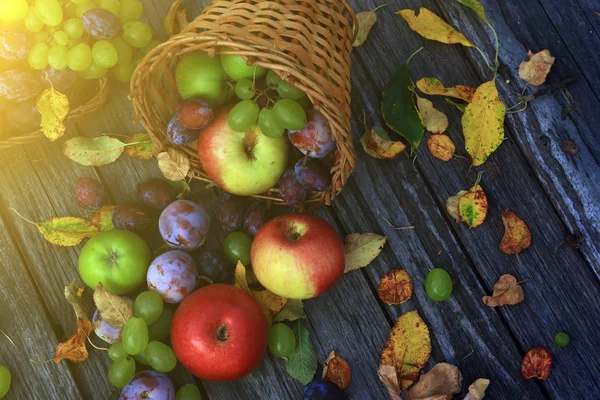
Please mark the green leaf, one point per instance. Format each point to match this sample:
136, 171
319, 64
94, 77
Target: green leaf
93, 152
302, 364
399, 109
362, 248
475, 6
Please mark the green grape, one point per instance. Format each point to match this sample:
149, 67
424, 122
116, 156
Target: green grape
131, 10
269, 125
51, 29
142, 358
135, 336
273, 79
188, 392
148, 306
57, 57
290, 114
74, 42
438, 284
236, 247
61, 38
93, 72
49, 12
32, 22
161, 357
244, 89
161, 329
121, 372
38, 56
105, 54
243, 115
562, 339
79, 57
123, 49
137, 34
304, 101
153, 43
13, 10
116, 351
5, 379
83, 7
288, 91
123, 71
74, 28
111, 5
79, 1
41, 37
282, 341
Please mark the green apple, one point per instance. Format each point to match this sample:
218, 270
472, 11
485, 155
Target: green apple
118, 259
242, 163
199, 75
237, 68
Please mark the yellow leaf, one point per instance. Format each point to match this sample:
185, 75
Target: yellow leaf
366, 20
93, 152
53, 107
434, 86
378, 144
66, 231
176, 19
475, 6
73, 294
270, 303
477, 389
114, 310
434, 120
483, 123
441, 147
362, 248
103, 218
174, 164
517, 235
432, 27
73, 349
144, 147
537, 68
473, 207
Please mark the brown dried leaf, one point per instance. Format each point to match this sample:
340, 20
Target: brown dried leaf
176, 19
73, 293
434, 120
362, 248
442, 381
452, 205
271, 303
293, 310
477, 389
174, 164
395, 287
537, 363
537, 68
441, 147
389, 376
113, 309
517, 235
507, 291
337, 370
378, 144
103, 218
74, 349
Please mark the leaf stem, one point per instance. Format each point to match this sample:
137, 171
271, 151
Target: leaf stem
412, 55
20, 351
92, 343
28, 220
485, 59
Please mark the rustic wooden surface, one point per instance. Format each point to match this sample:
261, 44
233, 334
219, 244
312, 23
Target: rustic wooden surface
554, 192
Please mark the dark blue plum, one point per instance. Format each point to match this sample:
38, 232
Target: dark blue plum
320, 389
215, 266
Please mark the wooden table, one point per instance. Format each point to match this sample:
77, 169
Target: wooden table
556, 193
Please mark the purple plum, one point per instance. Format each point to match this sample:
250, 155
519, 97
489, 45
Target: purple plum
173, 275
104, 331
229, 210
149, 385
184, 225
89, 194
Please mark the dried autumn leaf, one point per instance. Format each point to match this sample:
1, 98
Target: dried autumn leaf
407, 349
473, 206
93, 152
477, 389
271, 303
434, 120
337, 370
441, 146
537, 68
362, 248
103, 218
507, 291
483, 123
395, 287
293, 310
475, 6
389, 376
174, 164
141, 146
452, 205
443, 380
432, 27
537, 363
73, 349
517, 235
378, 144
434, 86
366, 20
113, 309
53, 107
176, 20
73, 293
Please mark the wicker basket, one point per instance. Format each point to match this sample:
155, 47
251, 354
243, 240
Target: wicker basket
307, 43
74, 116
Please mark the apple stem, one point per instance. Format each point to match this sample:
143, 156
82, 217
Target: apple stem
305, 160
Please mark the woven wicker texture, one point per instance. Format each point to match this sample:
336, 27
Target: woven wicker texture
308, 44
76, 115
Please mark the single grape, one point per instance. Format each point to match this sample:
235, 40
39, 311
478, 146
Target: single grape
290, 114
313, 174
135, 336
215, 266
156, 193
243, 115
32, 23
290, 190
5, 379
41, 37
124, 50
111, 5
105, 54
255, 218
133, 217
244, 89
315, 137
173, 275
93, 72
82, 7
62, 80
195, 113
123, 71
229, 210
149, 385
121, 372
57, 57
438, 284
188, 392
282, 341
146, 49
141, 358
269, 125
74, 28
305, 102
23, 116
61, 38
49, 12
104, 330
89, 194
79, 57
161, 357
148, 306
130, 10
38, 56
12, 11
74, 42
161, 329
184, 225
287, 91
273, 79
562, 339
137, 34
101, 24
320, 389
116, 351
237, 246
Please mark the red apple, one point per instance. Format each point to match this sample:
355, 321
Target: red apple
297, 256
219, 333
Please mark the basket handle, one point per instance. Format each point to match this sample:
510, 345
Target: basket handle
354, 19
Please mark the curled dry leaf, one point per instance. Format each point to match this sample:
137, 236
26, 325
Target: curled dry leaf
271, 303
93, 152
473, 207
74, 349
407, 349
389, 376
53, 107
176, 19
337, 370
517, 235
378, 144
537, 363
432, 27
73, 293
113, 309
507, 291
537, 68
434, 86
395, 287
140, 146
293, 310
366, 20
362, 248
103, 218
477, 389
441, 146
434, 120
441, 382
475, 6
452, 205
174, 164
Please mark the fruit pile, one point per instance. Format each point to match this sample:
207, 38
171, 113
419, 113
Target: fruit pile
239, 115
